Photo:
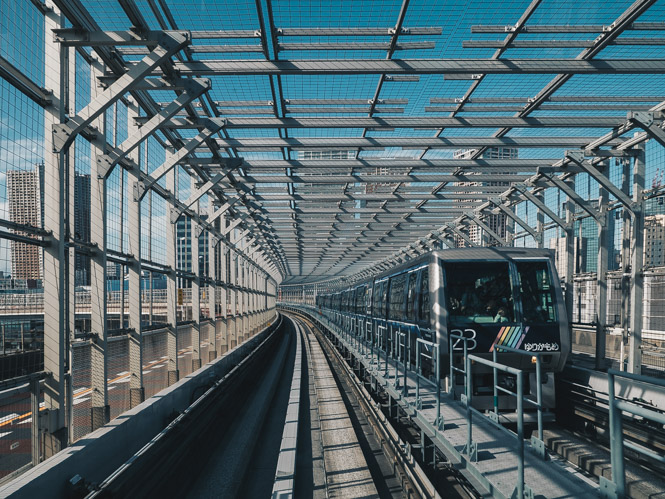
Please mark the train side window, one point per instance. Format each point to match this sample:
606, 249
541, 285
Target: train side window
411, 298
381, 298
397, 288
538, 302
375, 299
360, 298
368, 300
423, 312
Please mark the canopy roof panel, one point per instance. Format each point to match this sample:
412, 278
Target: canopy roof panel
366, 127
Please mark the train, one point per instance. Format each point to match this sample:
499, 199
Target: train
484, 297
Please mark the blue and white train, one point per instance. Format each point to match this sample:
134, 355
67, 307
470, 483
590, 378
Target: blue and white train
490, 296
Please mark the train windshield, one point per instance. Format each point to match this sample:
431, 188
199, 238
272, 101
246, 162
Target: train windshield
536, 291
479, 292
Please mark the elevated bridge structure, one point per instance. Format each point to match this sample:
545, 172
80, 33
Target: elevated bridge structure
169, 173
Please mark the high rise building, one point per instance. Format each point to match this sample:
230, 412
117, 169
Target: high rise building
654, 238
82, 226
25, 199
495, 222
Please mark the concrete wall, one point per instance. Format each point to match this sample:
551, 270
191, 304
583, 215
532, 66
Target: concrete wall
103, 451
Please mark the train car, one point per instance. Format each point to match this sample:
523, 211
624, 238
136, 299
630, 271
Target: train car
492, 297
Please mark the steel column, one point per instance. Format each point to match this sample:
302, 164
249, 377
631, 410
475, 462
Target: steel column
100, 412
56, 326
637, 264
172, 290
136, 389
196, 293
601, 279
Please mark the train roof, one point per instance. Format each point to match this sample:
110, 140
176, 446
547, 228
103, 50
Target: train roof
458, 254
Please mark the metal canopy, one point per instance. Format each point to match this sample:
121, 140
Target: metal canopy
327, 193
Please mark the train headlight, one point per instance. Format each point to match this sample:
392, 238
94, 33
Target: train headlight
534, 360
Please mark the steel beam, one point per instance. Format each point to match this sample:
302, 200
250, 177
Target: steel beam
412, 122
565, 28
389, 164
421, 66
74, 37
173, 372
217, 213
459, 233
134, 272
338, 143
64, 134
98, 271
56, 292
18, 80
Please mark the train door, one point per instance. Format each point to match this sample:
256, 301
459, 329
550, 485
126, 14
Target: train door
411, 309
379, 312
367, 313
396, 329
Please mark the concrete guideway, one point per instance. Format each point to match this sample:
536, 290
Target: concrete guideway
346, 468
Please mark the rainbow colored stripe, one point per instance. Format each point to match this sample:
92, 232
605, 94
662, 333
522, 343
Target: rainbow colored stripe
510, 336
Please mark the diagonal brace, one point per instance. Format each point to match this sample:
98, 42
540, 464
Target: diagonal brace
196, 195
645, 120
510, 213
561, 184
541, 206
216, 214
461, 234
577, 157
140, 188
193, 89
170, 43
479, 222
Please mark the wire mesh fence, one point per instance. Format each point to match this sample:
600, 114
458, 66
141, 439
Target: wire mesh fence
15, 430
118, 375
81, 417
155, 361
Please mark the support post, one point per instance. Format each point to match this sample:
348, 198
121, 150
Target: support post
100, 411
171, 289
601, 279
625, 265
56, 327
570, 259
196, 294
212, 294
136, 389
636, 265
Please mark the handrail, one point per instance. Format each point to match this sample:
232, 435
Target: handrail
539, 443
617, 486
471, 448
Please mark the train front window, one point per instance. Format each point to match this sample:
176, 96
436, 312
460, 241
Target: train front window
479, 292
537, 293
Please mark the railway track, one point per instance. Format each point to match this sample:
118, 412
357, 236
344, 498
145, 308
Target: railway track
291, 419
588, 413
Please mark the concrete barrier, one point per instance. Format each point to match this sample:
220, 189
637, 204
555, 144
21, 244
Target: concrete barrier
101, 452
